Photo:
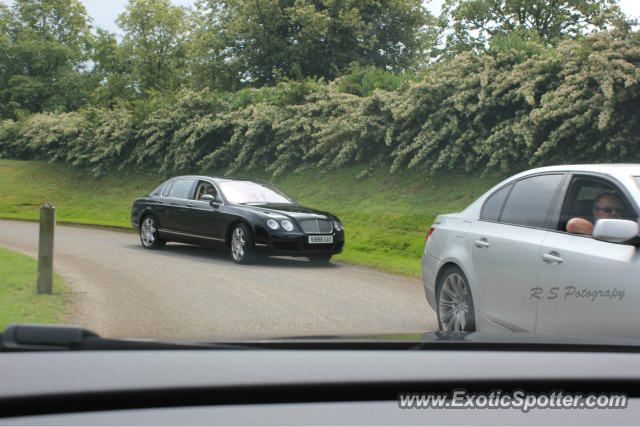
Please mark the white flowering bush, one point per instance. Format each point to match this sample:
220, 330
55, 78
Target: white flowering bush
509, 108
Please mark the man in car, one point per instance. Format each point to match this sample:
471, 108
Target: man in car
605, 206
211, 191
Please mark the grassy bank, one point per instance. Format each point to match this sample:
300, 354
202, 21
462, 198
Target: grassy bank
386, 217
19, 301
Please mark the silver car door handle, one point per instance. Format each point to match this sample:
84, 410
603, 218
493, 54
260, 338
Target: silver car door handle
190, 204
481, 244
551, 258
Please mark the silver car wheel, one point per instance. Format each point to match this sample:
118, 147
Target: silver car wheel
453, 304
238, 244
148, 232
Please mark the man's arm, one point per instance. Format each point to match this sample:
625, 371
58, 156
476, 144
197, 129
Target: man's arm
580, 226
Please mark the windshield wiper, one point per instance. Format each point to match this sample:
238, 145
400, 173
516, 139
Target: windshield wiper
37, 337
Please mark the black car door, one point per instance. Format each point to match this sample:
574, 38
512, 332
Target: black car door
175, 204
204, 220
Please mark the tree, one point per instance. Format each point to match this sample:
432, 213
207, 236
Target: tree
44, 49
209, 60
471, 23
155, 43
113, 68
306, 38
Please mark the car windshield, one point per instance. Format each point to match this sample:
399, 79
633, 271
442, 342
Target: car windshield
250, 192
458, 166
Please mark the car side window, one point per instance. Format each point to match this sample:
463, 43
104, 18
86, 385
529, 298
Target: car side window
181, 188
529, 202
493, 205
591, 199
206, 188
157, 191
165, 193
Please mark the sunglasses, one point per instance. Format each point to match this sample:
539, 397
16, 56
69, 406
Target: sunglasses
610, 209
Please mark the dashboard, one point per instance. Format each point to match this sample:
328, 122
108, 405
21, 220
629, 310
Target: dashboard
302, 387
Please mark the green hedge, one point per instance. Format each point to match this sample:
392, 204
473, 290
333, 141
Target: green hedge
514, 106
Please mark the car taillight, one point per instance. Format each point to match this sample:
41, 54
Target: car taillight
429, 233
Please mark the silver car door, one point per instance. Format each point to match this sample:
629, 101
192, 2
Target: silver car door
506, 251
593, 289
586, 286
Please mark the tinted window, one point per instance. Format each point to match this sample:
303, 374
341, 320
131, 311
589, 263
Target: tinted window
156, 192
530, 201
181, 188
491, 209
166, 189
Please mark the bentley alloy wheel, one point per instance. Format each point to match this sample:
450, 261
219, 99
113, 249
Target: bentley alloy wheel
242, 248
149, 234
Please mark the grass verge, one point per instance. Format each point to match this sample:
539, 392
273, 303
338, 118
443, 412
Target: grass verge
386, 217
19, 301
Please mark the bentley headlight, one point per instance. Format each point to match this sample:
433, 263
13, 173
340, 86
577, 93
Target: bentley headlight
337, 225
287, 225
273, 224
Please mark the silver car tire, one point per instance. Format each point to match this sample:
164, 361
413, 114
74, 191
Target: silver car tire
454, 302
242, 245
149, 236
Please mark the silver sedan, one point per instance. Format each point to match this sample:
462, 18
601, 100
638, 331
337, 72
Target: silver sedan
553, 250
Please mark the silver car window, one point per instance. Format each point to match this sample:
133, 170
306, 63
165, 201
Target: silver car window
529, 202
493, 205
582, 196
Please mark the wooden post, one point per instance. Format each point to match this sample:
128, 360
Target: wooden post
45, 249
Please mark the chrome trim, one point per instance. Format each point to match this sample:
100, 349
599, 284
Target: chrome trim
331, 228
261, 244
200, 236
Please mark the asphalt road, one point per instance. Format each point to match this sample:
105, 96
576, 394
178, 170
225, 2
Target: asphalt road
121, 289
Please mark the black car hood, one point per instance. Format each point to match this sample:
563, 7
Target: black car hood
289, 210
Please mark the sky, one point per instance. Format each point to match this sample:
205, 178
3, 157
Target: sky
105, 12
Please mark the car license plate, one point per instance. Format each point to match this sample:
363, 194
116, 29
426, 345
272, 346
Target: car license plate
320, 239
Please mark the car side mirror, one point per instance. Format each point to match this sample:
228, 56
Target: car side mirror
213, 201
615, 230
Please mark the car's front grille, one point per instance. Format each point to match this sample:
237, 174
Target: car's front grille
316, 226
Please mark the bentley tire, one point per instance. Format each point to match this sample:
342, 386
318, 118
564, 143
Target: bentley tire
149, 234
242, 245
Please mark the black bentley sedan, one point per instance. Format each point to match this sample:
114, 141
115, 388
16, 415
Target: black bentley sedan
249, 217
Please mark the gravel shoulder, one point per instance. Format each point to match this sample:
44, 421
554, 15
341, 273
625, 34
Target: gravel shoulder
120, 289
